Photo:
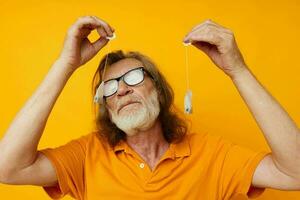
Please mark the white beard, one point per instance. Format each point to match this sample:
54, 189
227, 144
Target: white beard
140, 117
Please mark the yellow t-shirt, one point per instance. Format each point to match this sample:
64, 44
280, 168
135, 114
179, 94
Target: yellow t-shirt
202, 167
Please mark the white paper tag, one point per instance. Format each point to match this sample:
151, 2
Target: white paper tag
187, 44
111, 37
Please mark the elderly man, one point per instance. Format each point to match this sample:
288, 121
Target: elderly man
143, 148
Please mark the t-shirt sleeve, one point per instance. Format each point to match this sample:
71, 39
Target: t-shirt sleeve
238, 168
68, 161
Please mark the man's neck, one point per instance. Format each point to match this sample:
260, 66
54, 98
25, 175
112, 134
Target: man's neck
150, 144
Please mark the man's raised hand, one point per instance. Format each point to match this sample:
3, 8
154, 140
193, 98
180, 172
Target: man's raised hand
219, 44
77, 48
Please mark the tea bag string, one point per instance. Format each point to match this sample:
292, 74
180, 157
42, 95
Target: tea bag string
100, 90
187, 68
108, 48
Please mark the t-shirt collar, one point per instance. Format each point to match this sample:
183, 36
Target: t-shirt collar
175, 150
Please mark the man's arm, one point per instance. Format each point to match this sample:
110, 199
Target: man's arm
20, 162
281, 168
18, 147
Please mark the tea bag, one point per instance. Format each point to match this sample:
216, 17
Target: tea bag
188, 102
188, 95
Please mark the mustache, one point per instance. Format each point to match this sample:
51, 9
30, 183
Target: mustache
127, 100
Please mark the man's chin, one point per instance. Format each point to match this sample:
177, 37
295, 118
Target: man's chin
127, 113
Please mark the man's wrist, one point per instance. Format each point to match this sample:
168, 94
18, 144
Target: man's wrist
239, 73
62, 64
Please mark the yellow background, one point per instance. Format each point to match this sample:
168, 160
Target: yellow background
267, 32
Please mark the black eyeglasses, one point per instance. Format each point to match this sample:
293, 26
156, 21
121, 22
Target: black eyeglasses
131, 78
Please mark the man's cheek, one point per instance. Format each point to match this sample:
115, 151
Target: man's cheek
110, 105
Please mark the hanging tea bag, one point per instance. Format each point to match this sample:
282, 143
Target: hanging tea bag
188, 102
188, 95
98, 98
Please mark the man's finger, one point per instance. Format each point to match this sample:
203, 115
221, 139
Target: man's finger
91, 22
101, 31
209, 24
86, 21
106, 26
100, 43
201, 24
205, 35
85, 32
201, 31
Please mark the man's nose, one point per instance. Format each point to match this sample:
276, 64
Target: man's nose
123, 88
